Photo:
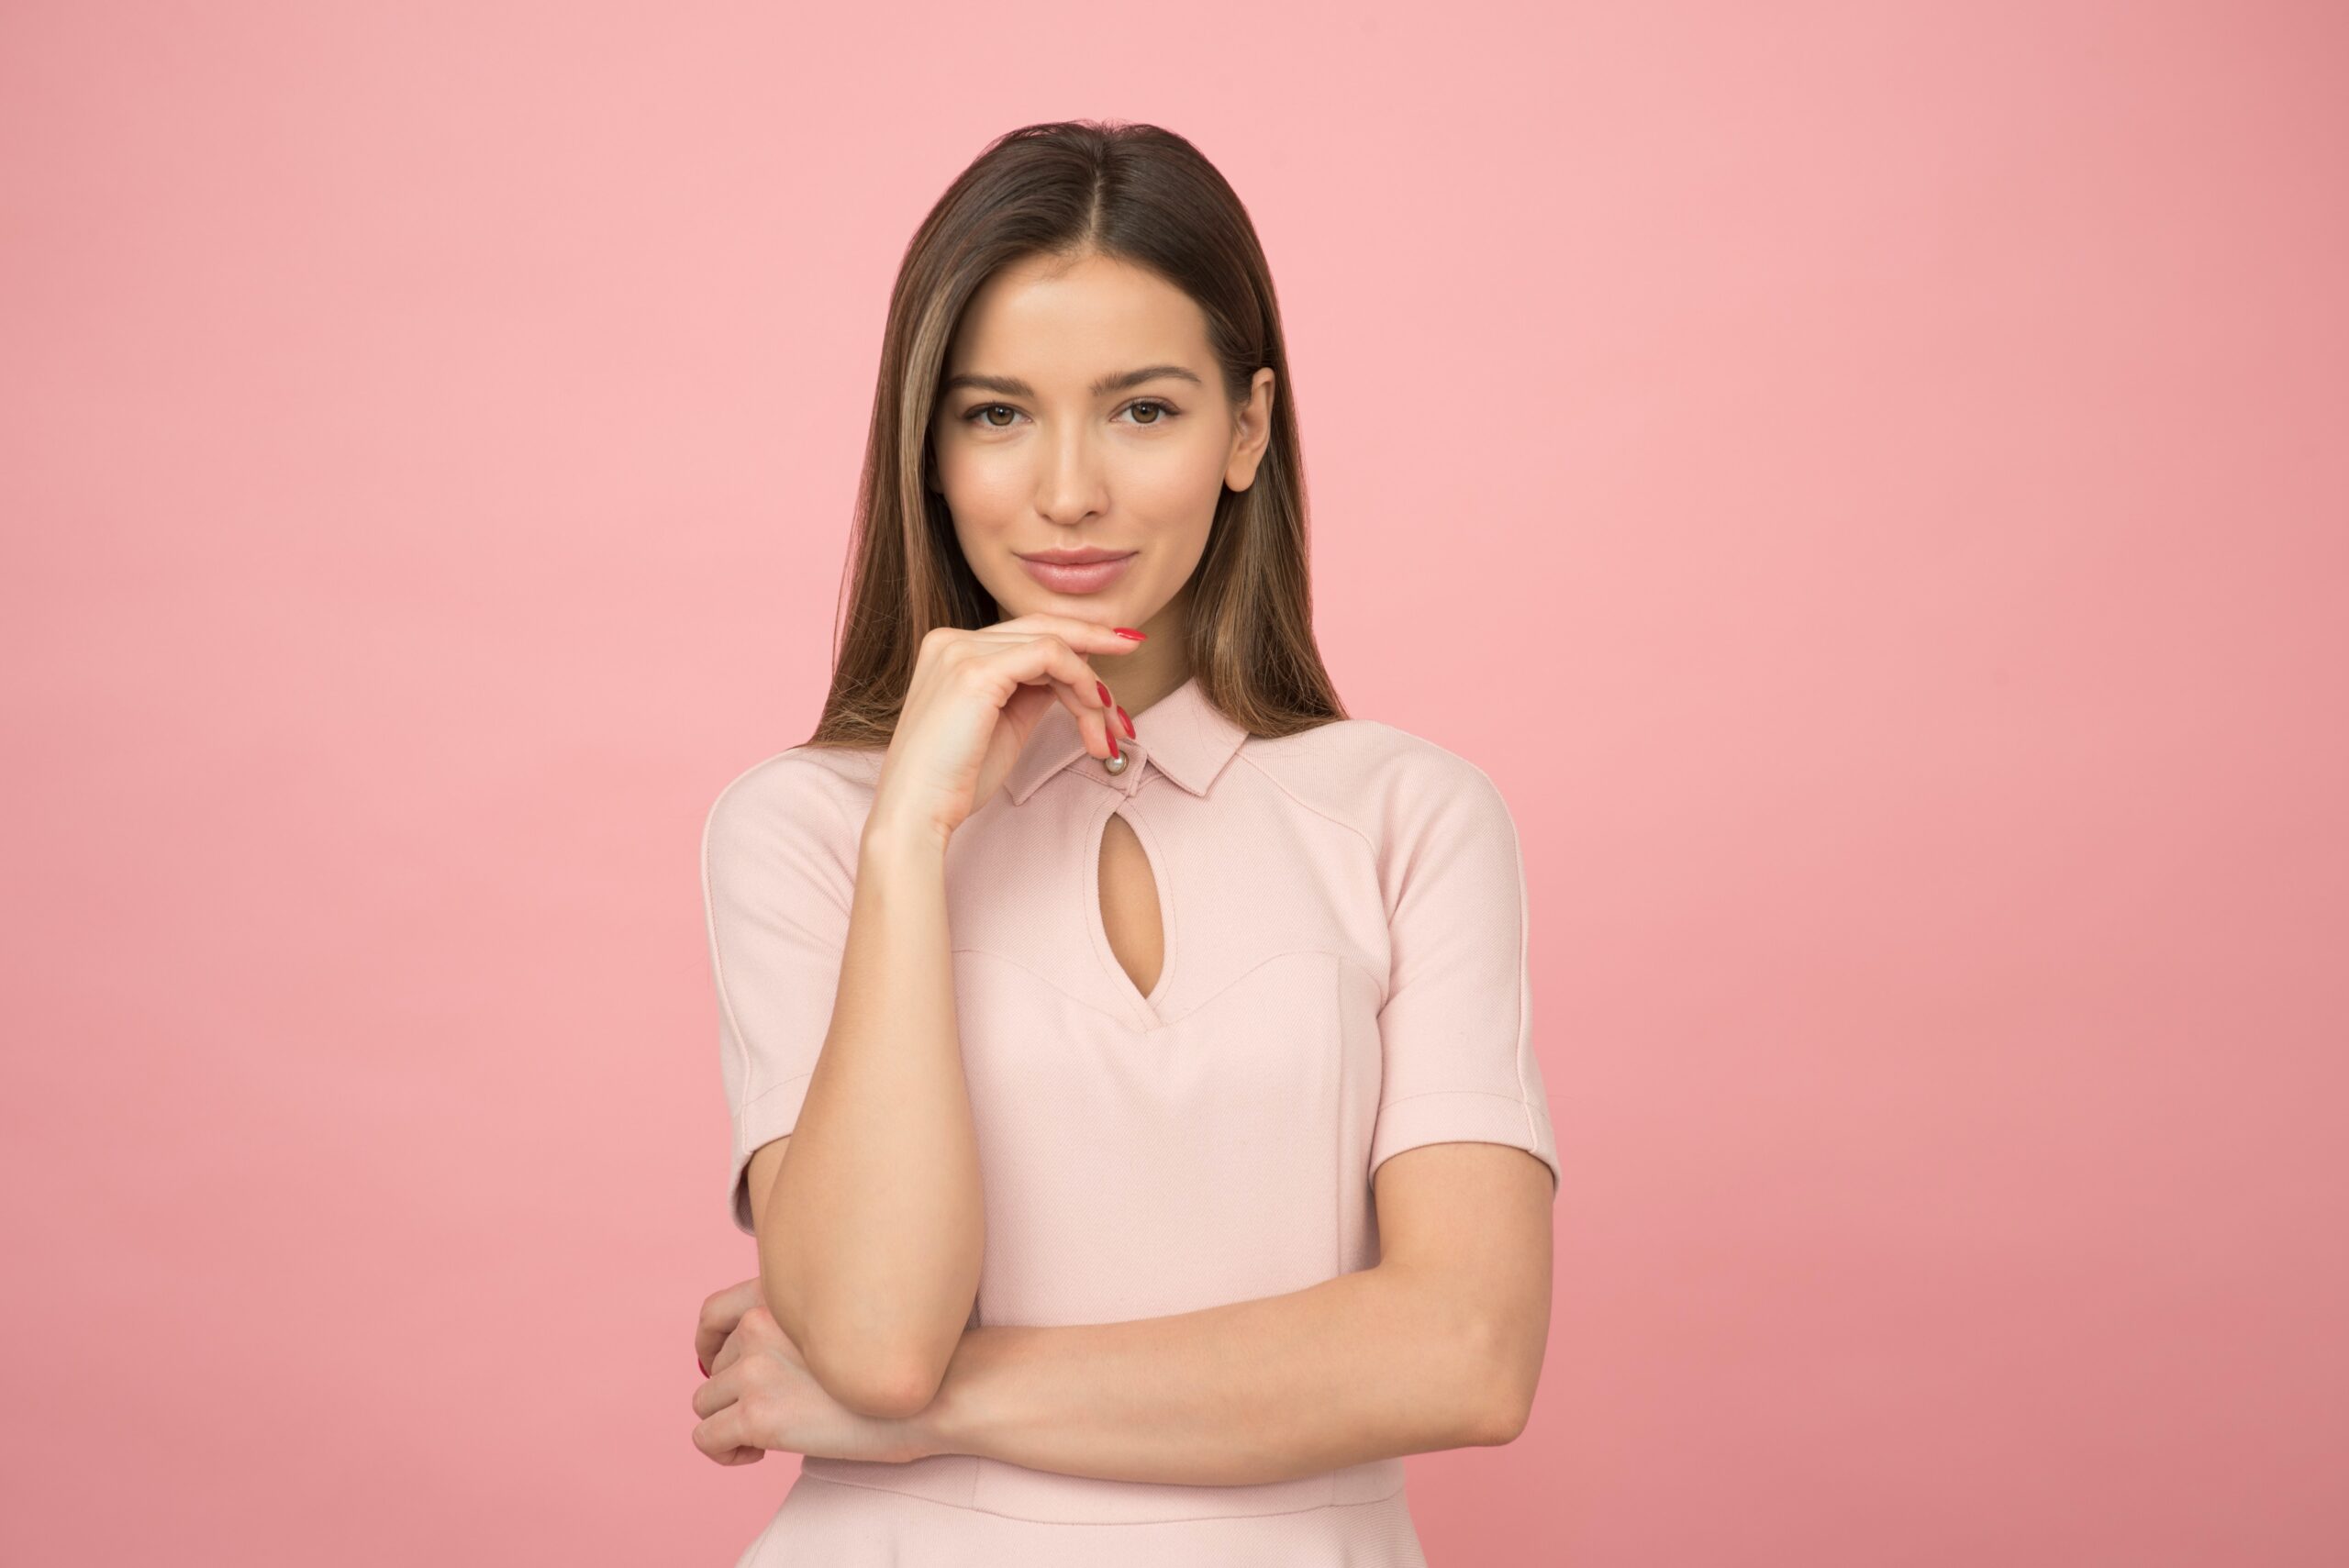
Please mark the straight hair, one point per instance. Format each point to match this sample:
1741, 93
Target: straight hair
1145, 197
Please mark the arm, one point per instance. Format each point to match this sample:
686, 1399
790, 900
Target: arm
835, 975
872, 1231
1436, 1347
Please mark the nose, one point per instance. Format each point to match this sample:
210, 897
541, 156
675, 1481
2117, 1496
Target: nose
1071, 487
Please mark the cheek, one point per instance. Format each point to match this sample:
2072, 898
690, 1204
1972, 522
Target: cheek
981, 487
1173, 478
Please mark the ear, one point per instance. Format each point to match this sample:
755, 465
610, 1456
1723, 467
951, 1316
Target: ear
1254, 432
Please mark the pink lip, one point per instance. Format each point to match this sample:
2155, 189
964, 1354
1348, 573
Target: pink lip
1088, 571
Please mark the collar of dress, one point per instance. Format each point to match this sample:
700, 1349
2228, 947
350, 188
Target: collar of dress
1185, 736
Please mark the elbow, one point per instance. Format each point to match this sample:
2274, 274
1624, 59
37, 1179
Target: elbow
882, 1385
881, 1380
1500, 1420
1512, 1369
890, 1397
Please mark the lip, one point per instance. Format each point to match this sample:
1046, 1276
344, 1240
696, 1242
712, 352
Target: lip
1076, 570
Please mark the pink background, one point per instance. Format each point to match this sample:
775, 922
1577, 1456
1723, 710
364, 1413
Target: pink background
1868, 481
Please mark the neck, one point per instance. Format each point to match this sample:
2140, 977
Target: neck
1159, 665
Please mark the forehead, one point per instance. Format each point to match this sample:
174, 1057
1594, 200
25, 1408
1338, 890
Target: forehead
1044, 316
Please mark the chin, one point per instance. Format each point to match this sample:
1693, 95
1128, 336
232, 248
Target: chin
1029, 598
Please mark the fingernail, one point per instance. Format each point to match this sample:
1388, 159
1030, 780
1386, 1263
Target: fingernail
1124, 720
697, 1361
1128, 631
1104, 691
1113, 747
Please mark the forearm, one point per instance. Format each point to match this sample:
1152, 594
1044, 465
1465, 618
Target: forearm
876, 1229
1368, 1365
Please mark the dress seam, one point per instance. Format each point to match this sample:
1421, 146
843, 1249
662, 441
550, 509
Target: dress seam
1097, 1524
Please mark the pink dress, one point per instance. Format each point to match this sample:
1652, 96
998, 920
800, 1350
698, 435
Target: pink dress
1345, 978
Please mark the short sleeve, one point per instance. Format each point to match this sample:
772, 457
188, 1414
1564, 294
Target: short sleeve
1457, 1031
778, 878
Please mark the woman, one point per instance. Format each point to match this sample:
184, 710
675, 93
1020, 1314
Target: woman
1087, 975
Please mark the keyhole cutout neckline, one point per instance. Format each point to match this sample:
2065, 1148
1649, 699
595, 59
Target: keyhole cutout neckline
1141, 896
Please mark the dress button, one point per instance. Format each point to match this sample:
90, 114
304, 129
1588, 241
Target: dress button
1117, 764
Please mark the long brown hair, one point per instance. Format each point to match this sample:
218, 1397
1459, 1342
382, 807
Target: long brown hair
1146, 196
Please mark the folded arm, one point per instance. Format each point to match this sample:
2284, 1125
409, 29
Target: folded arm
872, 1234
1439, 1346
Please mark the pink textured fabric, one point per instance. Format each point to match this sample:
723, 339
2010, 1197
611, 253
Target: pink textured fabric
1345, 978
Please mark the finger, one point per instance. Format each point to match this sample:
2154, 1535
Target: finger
748, 1335
724, 1433
1087, 698
1086, 636
1083, 636
1046, 659
724, 1436
1039, 658
719, 1313
715, 1393
1091, 636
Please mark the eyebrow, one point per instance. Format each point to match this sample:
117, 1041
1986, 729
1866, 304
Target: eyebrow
1012, 386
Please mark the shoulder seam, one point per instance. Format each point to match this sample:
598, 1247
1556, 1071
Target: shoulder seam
1304, 804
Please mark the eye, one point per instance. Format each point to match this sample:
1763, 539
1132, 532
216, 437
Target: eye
1160, 411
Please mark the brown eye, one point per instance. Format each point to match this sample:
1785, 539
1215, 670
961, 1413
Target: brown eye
978, 415
1159, 412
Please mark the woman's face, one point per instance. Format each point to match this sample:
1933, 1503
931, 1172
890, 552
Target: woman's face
1082, 413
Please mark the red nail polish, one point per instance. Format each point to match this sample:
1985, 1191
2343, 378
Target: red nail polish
1128, 631
1113, 746
1124, 720
705, 1370
1104, 691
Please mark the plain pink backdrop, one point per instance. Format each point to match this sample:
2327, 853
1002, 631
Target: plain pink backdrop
1869, 482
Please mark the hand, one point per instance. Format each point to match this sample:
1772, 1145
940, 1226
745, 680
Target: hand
760, 1396
974, 698
719, 1313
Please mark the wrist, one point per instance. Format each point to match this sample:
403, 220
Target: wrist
888, 841
950, 1423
